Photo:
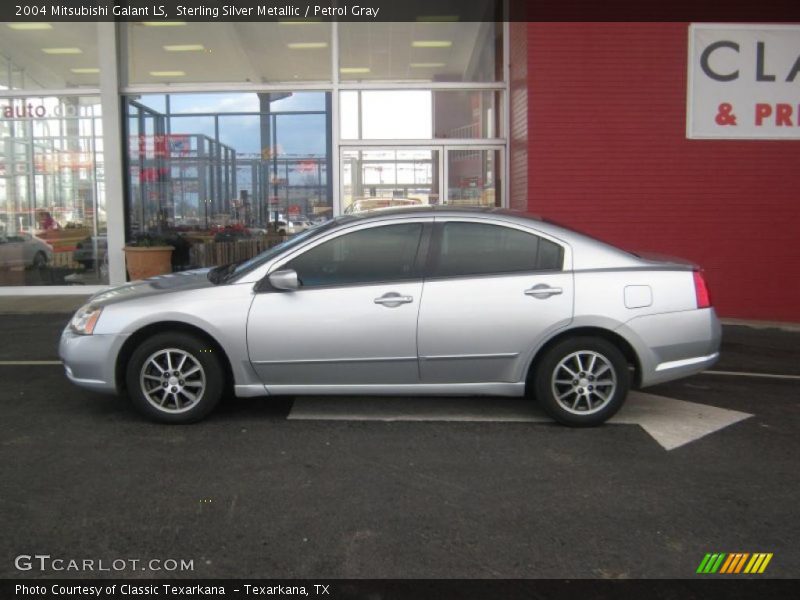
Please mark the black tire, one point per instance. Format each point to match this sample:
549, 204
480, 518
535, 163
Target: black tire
39, 260
177, 407
581, 392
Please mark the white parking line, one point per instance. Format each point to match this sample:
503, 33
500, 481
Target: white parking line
672, 423
25, 363
746, 374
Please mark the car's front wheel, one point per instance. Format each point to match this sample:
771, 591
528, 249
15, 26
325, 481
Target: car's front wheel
582, 381
175, 378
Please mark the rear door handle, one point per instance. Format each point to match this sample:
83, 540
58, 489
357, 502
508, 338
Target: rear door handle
393, 299
542, 291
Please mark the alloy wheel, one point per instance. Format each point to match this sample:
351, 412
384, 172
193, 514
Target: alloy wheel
172, 380
584, 382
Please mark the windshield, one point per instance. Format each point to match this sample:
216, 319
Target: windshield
267, 255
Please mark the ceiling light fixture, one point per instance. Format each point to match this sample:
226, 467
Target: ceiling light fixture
306, 45
168, 73
29, 26
62, 50
184, 48
85, 70
433, 65
431, 44
354, 70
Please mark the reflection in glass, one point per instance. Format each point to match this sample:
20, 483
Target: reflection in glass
225, 185
396, 114
420, 114
193, 126
52, 197
225, 51
421, 51
467, 114
211, 103
473, 177
35, 56
374, 179
158, 102
349, 123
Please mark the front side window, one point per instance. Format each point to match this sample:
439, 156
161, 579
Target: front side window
378, 254
478, 249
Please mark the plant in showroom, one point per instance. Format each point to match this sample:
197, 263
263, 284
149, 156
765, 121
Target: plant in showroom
148, 256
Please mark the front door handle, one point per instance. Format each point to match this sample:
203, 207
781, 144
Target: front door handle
542, 291
393, 299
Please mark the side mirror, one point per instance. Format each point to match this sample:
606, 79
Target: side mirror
285, 279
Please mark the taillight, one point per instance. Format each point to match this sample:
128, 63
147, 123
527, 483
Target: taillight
701, 290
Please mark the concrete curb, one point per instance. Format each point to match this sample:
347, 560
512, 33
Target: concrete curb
793, 327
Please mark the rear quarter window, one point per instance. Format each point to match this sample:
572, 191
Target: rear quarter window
477, 248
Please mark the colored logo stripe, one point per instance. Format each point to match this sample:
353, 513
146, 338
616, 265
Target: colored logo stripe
724, 563
711, 563
758, 563
734, 563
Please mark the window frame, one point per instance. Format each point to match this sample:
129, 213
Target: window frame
436, 244
418, 267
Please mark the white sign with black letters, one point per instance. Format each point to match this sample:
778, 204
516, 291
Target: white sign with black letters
743, 82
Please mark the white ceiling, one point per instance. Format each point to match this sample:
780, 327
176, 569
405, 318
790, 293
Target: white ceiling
253, 52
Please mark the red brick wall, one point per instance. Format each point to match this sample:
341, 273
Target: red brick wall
607, 152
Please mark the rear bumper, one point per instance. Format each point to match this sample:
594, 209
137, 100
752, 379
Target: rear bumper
676, 369
674, 345
89, 360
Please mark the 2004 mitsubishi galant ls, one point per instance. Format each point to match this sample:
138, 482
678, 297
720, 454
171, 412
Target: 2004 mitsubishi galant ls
422, 301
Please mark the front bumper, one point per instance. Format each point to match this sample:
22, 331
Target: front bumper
89, 360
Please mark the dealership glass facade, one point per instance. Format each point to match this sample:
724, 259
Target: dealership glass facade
52, 194
226, 168
234, 137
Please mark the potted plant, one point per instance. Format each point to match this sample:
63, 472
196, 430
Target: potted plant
147, 256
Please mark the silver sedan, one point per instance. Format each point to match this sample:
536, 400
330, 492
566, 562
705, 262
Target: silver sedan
422, 301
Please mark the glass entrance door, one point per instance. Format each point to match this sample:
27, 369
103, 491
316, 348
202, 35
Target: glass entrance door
373, 177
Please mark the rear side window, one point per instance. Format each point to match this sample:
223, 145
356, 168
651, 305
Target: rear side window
477, 249
377, 254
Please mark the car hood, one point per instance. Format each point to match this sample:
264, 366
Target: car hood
154, 286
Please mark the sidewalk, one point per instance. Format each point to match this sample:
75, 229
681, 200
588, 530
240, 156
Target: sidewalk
26, 305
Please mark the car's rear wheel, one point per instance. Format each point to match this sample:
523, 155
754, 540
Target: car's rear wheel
175, 378
39, 260
582, 381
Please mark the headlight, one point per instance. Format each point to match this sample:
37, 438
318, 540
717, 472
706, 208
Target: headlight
85, 319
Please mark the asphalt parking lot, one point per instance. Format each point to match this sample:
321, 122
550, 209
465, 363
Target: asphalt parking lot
286, 488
